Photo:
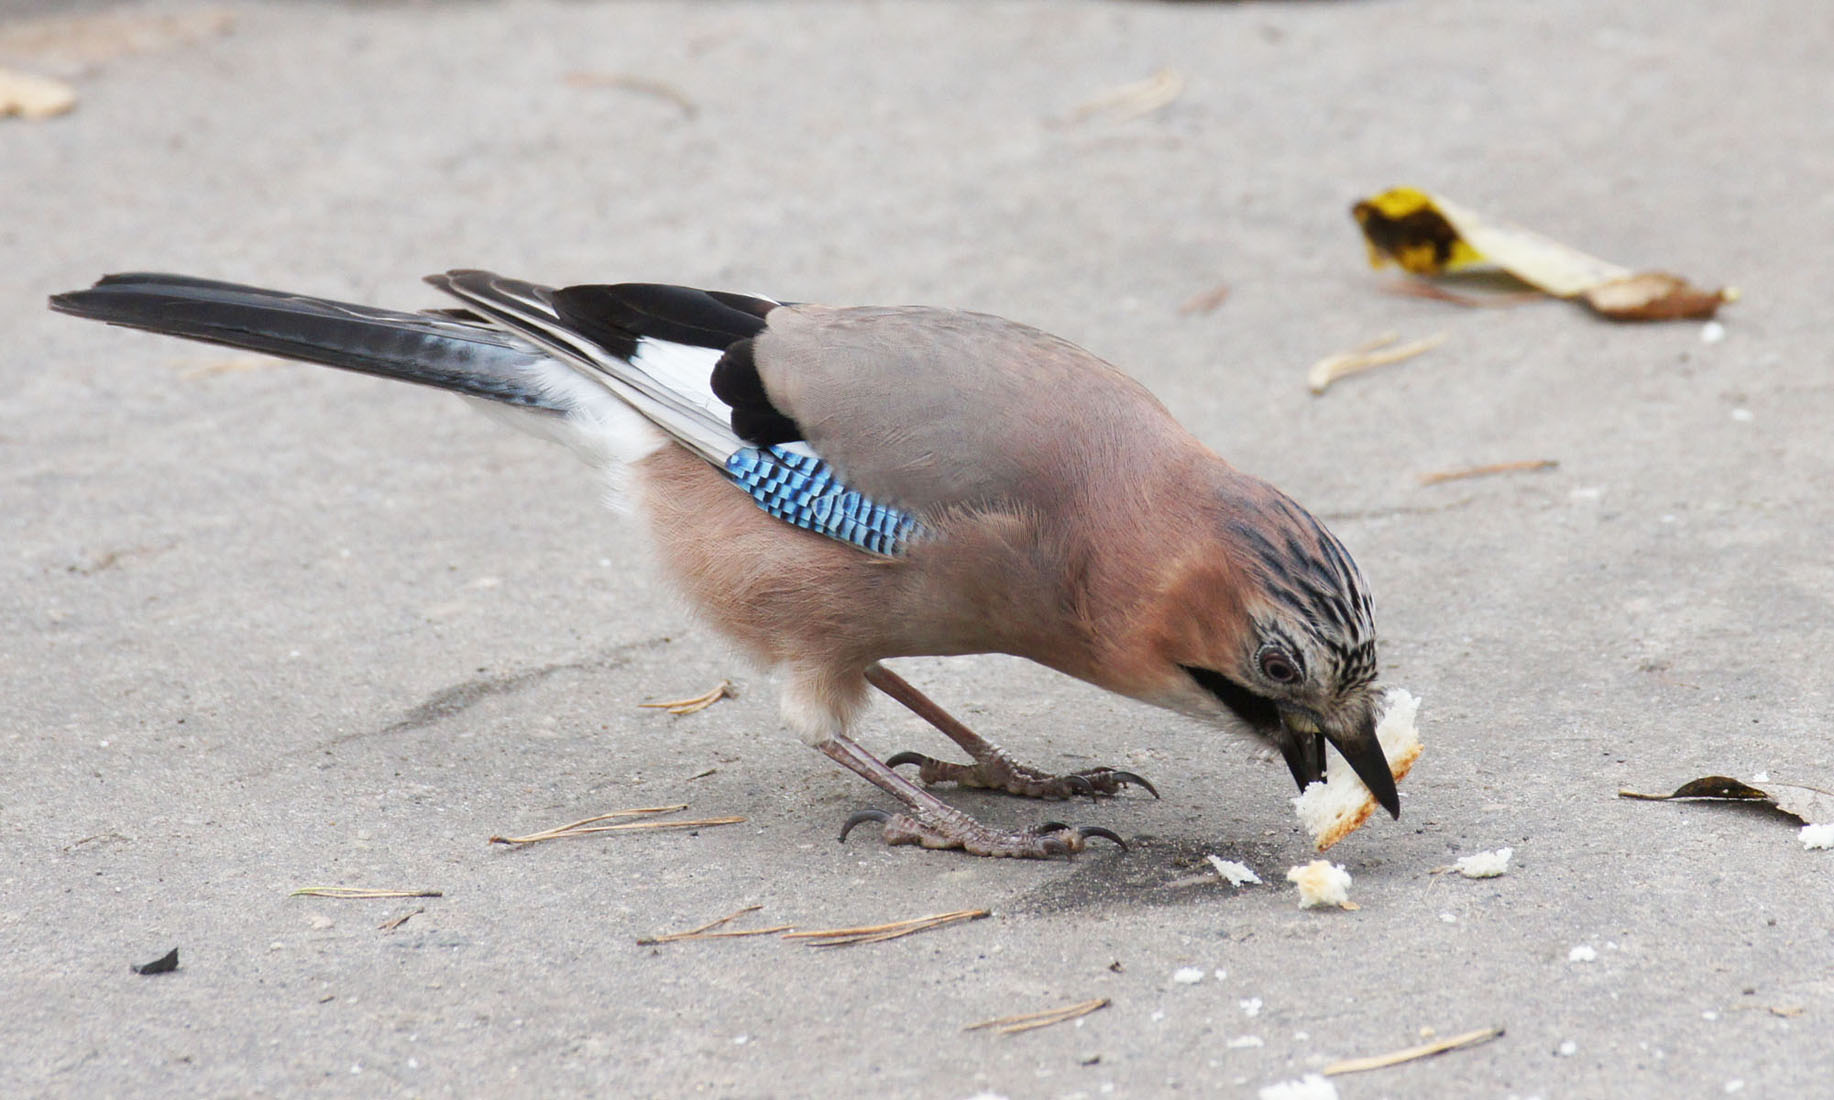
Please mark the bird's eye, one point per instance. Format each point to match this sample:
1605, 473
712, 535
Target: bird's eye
1278, 667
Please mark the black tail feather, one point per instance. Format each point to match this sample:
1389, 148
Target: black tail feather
438, 350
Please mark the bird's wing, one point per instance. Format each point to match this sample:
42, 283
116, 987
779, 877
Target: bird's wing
937, 409
653, 346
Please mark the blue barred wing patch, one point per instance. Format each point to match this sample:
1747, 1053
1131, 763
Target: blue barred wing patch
802, 489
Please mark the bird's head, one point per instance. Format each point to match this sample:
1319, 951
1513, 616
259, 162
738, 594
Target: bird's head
1271, 624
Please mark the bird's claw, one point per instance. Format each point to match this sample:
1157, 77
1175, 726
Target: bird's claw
859, 817
958, 830
1000, 772
1087, 832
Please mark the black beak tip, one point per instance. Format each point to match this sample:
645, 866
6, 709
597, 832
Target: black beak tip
1382, 785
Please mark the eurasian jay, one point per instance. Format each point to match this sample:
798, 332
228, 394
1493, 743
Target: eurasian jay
833, 487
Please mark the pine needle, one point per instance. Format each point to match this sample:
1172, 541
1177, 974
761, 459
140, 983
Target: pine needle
1425, 1050
875, 933
706, 931
396, 922
360, 892
1135, 100
1522, 466
588, 826
1013, 1025
1374, 353
697, 703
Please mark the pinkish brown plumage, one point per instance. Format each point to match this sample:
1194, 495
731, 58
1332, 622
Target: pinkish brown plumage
836, 487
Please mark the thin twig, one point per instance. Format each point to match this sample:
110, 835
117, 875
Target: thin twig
1205, 301
396, 922
1415, 288
1374, 353
1013, 1025
697, 703
841, 937
642, 85
705, 931
1425, 1050
1522, 466
360, 892
586, 826
1135, 100
228, 366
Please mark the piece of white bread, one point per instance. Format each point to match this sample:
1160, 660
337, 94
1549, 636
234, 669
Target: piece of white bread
1322, 883
1337, 807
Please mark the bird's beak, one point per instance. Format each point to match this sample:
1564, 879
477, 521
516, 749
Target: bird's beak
1303, 745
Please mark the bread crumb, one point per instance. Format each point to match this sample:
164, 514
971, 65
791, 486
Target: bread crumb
1188, 975
1245, 1042
1320, 883
1337, 807
1235, 874
1817, 836
1310, 1087
1582, 954
1485, 864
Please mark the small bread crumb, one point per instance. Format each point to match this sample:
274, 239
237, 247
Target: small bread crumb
1485, 864
1337, 807
1321, 883
1310, 1087
1817, 836
1582, 954
1235, 874
1188, 975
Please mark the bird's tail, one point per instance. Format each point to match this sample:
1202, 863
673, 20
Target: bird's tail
450, 350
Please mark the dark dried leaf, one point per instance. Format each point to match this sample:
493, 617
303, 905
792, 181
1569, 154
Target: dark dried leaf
1810, 805
164, 964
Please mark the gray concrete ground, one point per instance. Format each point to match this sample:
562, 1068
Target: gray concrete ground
269, 626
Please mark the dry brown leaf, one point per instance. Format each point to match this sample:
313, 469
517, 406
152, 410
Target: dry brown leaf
33, 97
1810, 805
1653, 296
1427, 234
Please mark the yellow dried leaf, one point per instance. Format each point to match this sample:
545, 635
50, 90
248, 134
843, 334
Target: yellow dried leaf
1427, 234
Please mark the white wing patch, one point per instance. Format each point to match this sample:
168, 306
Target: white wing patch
683, 369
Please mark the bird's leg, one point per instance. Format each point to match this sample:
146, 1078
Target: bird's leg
993, 768
934, 823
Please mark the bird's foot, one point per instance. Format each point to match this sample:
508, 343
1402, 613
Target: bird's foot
1000, 772
957, 830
